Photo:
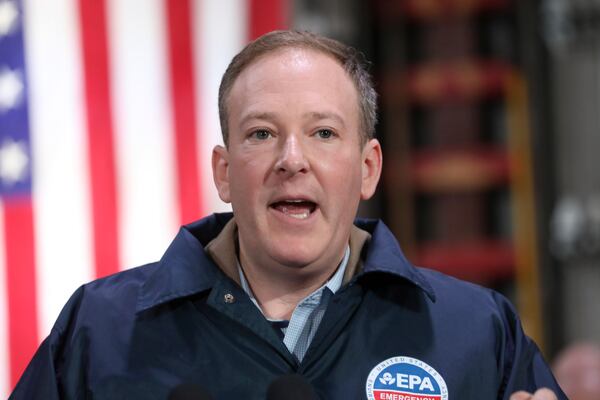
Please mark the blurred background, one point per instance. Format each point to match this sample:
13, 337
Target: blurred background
489, 119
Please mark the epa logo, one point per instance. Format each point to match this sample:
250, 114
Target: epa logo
399, 378
406, 381
387, 379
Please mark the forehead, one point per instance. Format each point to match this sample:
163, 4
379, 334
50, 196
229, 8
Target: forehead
300, 76
293, 62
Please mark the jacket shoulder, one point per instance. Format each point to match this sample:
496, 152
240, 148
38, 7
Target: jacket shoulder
105, 298
469, 299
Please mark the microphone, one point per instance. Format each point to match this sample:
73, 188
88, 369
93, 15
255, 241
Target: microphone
189, 391
291, 387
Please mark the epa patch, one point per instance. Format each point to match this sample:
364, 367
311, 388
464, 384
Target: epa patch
405, 378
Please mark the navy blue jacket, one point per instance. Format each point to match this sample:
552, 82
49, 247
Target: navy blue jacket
394, 331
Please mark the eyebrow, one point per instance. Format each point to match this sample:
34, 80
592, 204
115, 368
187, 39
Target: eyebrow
326, 115
268, 116
272, 117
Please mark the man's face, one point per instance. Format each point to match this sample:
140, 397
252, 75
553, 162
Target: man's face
294, 169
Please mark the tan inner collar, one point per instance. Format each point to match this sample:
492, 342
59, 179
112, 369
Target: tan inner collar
223, 251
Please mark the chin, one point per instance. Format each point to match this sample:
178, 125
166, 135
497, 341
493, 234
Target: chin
294, 256
294, 260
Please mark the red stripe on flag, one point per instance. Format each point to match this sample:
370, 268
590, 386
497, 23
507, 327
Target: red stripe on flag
21, 284
266, 16
184, 108
100, 136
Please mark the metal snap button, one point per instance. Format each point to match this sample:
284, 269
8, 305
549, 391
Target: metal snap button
228, 297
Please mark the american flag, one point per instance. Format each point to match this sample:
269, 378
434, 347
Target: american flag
108, 115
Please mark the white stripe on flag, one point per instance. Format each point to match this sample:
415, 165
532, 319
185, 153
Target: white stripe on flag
60, 167
143, 137
213, 49
4, 349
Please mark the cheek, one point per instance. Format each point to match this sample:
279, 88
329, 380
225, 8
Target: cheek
342, 174
246, 178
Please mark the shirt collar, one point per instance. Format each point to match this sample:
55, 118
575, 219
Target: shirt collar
335, 282
187, 269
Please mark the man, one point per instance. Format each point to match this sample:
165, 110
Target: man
288, 284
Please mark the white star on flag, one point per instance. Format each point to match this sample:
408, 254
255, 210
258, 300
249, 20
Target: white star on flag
11, 89
8, 17
13, 162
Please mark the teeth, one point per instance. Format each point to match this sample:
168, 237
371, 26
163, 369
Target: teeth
304, 215
296, 214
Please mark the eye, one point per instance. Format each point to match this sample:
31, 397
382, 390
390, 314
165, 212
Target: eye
261, 134
325, 133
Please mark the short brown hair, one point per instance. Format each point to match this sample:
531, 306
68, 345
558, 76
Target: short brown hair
349, 58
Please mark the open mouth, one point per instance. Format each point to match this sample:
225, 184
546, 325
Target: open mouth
299, 209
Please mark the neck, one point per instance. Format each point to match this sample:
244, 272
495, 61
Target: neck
278, 288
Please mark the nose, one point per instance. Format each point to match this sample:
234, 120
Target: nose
291, 159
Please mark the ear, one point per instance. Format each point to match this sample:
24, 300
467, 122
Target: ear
220, 170
372, 159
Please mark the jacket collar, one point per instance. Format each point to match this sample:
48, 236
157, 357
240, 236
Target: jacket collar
187, 269
383, 254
